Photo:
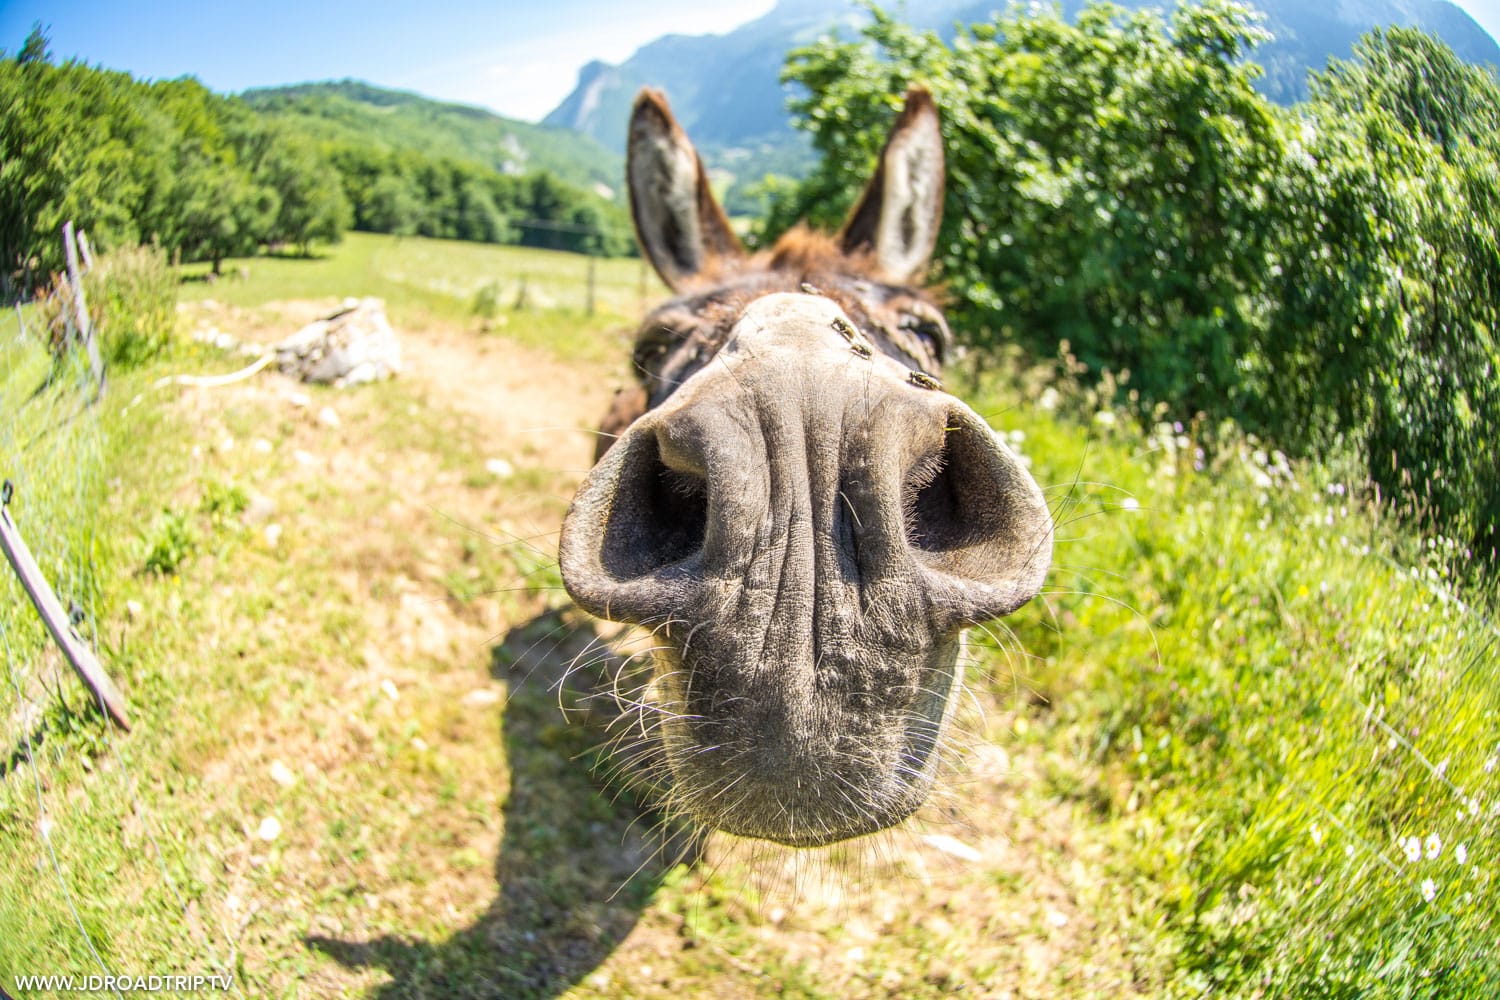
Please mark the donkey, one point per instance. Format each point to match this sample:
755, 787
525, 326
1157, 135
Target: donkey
794, 506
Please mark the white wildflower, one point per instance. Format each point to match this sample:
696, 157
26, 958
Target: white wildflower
269, 829
1434, 846
1317, 834
1429, 889
1461, 852
1413, 848
1130, 503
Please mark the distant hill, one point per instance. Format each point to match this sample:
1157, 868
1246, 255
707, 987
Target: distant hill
724, 88
371, 116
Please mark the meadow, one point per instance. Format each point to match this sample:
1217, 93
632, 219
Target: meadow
1246, 743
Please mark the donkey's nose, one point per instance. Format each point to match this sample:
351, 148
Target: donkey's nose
827, 471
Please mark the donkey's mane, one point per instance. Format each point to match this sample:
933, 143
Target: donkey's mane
804, 249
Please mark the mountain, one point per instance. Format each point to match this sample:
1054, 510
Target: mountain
370, 116
724, 88
1308, 34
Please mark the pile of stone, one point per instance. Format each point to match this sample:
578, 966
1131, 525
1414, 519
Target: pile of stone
351, 346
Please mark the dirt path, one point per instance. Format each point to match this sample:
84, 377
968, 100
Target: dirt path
522, 396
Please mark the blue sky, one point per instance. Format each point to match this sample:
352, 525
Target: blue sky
519, 59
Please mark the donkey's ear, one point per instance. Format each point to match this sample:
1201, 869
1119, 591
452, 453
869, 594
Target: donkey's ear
680, 226
897, 219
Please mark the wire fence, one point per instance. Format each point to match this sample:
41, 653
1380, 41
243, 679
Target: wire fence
68, 782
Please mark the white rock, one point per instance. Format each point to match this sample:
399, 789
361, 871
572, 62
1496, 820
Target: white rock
329, 417
499, 467
390, 690
354, 345
282, 775
269, 829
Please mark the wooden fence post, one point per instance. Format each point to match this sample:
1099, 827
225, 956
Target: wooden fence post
80, 305
84, 663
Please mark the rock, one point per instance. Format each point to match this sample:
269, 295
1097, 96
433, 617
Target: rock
260, 508
329, 417
499, 468
269, 829
354, 345
282, 775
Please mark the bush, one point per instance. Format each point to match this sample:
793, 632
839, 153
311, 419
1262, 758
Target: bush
132, 299
1327, 277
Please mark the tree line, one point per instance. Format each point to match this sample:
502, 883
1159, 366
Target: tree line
1326, 275
205, 177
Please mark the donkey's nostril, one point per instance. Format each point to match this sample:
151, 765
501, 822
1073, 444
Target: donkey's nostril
969, 508
658, 517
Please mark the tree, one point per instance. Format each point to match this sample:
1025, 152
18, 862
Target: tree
311, 204
1426, 309
37, 48
1107, 179
1327, 277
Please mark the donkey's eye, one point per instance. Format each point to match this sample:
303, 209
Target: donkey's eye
929, 331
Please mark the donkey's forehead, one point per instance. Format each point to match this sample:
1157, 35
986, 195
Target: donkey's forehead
708, 314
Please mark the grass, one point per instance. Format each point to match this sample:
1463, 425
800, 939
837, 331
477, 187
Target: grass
1195, 767
1268, 693
537, 296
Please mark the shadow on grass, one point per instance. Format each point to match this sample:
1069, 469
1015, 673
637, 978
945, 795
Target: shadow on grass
577, 864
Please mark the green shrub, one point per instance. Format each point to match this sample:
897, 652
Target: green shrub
134, 296
1328, 276
132, 300
171, 541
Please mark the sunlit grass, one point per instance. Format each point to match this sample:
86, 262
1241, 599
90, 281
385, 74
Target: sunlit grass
1274, 693
537, 296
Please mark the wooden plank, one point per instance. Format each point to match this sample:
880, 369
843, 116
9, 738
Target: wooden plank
84, 663
80, 305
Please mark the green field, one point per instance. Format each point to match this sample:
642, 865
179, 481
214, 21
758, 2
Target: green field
1245, 744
